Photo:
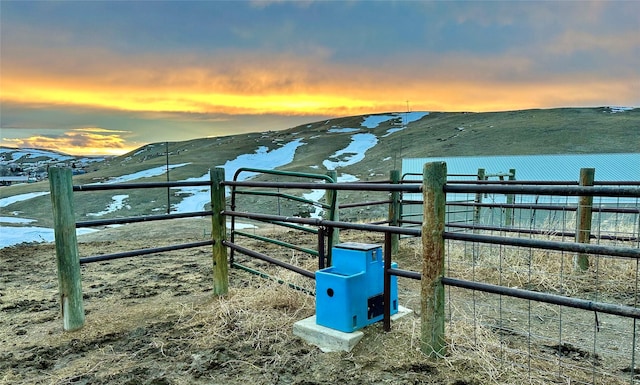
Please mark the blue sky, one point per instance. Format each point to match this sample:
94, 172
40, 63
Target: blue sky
109, 76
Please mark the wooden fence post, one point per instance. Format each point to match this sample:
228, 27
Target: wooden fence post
432, 290
510, 200
219, 233
583, 218
394, 210
477, 210
67, 259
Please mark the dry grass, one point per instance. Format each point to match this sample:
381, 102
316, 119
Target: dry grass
508, 340
246, 336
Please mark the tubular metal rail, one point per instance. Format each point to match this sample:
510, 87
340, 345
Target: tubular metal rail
138, 219
454, 187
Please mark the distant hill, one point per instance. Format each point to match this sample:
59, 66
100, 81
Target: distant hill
363, 147
550, 131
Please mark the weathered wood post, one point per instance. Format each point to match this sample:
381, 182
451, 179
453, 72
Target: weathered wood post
583, 218
510, 200
477, 210
219, 233
67, 259
432, 290
334, 215
394, 210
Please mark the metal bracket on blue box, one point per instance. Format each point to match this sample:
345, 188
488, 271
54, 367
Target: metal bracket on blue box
349, 293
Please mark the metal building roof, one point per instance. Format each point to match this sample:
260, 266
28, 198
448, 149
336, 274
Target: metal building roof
562, 167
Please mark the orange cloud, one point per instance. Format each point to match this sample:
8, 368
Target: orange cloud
81, 141
260, 83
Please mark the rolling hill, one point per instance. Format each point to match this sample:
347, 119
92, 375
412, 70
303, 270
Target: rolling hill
359, 148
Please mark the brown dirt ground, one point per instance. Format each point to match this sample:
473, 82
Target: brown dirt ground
153, 320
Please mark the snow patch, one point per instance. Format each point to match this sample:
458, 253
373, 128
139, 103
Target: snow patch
156, 171
10, 236
199, 197
262, 158
353, 153
620, 109
117, 204
374, 121
315, 196
345, 178
16, 220
410, 117
4, 202
392, 130
337, 130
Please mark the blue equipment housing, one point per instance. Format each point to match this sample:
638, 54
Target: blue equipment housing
349, 294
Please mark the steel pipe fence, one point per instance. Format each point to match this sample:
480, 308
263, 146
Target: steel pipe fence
138, 219
519, 288
67, 259
498, 308
516, 284
141, 252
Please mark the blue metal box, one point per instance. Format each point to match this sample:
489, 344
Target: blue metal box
349, 294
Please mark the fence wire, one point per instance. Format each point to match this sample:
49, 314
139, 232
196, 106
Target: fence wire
550, 343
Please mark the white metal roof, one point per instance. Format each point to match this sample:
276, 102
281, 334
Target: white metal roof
562, 167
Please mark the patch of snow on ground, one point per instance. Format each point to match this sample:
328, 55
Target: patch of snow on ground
620, 109
117, 204
10, 236
197, 199
14, 235
262, 158
410, 117
315, 196
392, 130
4, 202
360, 143
345, 178
241, 226
407, 118
374, 121
16, 220
336, 130
143, 174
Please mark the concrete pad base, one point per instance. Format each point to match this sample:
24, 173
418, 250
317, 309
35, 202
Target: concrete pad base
327, 339
402, 312
331, 340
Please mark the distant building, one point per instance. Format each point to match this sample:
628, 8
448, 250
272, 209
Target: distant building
9, 180
548, 167
621, 167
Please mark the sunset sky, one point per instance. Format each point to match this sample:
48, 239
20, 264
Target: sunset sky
105, 77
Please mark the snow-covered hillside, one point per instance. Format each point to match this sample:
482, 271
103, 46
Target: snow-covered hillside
195, 198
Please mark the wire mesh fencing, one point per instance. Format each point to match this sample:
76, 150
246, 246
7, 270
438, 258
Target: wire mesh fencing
550, 343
